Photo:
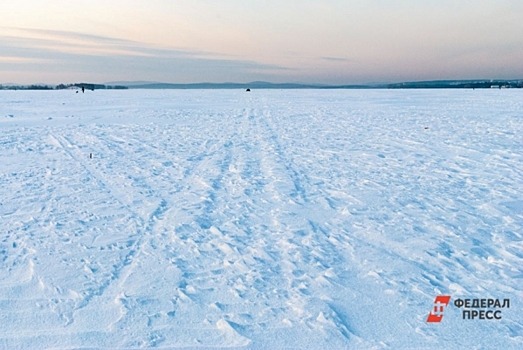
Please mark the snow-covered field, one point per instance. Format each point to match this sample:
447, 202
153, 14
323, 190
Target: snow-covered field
272, 219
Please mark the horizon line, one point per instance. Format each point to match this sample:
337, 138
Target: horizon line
255, 82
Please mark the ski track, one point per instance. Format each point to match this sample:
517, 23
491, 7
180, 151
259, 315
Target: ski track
304, 219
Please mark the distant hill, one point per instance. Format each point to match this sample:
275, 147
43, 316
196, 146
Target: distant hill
436, 84
255, 85
130, 83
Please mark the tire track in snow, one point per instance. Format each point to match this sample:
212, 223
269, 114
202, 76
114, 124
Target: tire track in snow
273, 140
157, 247
273, 251
303, 230
121, 270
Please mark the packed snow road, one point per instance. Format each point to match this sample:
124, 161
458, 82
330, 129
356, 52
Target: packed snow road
271, 219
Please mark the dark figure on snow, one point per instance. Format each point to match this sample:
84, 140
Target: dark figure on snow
83, 89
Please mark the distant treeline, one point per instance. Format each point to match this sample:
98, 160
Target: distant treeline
436, 84
85, 86
459, 84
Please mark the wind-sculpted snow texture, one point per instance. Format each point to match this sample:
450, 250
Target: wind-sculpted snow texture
300, 219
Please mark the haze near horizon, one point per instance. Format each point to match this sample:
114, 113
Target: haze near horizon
330, 42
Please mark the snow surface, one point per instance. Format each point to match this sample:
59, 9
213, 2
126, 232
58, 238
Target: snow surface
271, 219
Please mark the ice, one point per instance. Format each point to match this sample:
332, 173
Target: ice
320, 219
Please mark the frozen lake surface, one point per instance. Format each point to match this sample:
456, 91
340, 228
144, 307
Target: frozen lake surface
271, 219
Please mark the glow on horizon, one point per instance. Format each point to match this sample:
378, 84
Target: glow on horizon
332, 41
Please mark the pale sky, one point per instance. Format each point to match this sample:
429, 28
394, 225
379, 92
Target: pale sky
308, 41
